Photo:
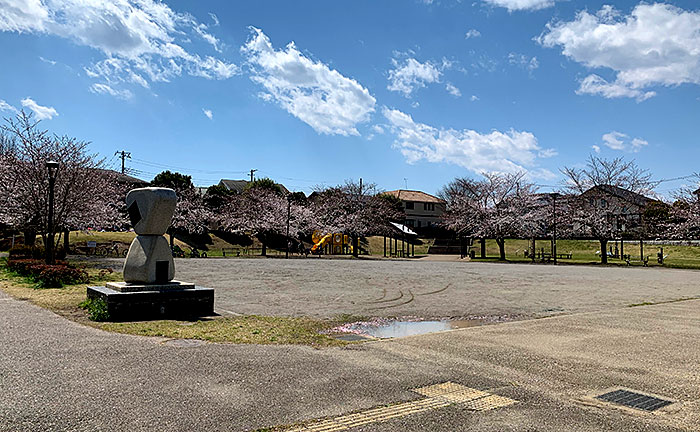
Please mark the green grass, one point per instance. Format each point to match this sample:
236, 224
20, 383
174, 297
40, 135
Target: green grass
252, 329
584, 252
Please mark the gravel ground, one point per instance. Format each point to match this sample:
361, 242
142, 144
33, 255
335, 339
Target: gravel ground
427, 289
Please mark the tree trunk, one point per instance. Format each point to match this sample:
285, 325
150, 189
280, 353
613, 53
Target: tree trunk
355, 246
264, 249
501, 249
66, 240
29, 237
532, 250
603, 251
483, 247
172, 240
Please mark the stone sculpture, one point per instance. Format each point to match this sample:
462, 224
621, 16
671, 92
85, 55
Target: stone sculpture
149, 259
149, 289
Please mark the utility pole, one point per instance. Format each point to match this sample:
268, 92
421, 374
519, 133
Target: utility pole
405, 183
360, 186
123, 155
251, 174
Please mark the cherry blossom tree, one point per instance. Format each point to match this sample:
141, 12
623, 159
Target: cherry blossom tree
684, 217
499, 206
592, 212
86, 195
263, 212
355, 209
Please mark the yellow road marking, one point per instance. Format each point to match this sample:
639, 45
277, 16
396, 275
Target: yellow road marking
437, 396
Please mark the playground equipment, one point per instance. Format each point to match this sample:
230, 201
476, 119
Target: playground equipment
331, 243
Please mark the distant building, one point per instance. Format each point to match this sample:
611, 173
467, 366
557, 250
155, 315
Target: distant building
626, 206
422, 210
238, 186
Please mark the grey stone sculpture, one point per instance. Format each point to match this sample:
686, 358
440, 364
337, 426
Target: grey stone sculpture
148, 290
149, 259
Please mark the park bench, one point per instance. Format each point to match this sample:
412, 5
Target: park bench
231, 251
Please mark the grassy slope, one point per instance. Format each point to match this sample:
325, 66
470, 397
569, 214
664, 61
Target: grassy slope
214, 249
584, 251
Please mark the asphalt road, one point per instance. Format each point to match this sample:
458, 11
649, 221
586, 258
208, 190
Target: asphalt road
60, 376
428, 289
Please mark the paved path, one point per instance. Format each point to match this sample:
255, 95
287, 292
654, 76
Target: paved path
324, 288
57, 375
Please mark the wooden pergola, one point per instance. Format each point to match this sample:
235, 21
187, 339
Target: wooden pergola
400, 233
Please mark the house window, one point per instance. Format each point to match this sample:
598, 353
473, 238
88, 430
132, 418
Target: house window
417, 224
429, 206
409, 205
409, 222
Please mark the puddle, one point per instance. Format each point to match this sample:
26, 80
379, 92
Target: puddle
384, 329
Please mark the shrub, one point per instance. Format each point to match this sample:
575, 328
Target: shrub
34, 252
96, 309
48, 276
55, 276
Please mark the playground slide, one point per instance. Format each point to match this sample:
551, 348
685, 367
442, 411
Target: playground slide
329, 239
323, 241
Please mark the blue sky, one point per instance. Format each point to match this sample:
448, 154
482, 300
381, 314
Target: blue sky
397, 92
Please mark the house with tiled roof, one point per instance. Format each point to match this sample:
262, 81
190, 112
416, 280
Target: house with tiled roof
624, 205
422, 210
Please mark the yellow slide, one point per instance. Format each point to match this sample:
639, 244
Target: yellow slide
321, 242
336, 240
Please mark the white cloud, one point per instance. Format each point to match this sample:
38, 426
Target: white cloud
614, 140
45, 60
515, 5
656, 44
214, 18
472, 33
451, 89
596, 148
377, 129
100, 88
619, 141
208, 113
41, 112
474, 98
523, 61
309, 90
496, 151
4, 106
142, 37
22, 15
596, 85
410, 75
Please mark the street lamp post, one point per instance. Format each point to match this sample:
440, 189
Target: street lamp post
289, 212
52, 167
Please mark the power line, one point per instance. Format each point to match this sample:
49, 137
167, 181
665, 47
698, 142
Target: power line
174, 167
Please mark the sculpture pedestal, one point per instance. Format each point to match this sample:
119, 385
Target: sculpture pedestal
140, 302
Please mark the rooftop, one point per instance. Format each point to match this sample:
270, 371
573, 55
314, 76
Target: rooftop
413, 195
627, 195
